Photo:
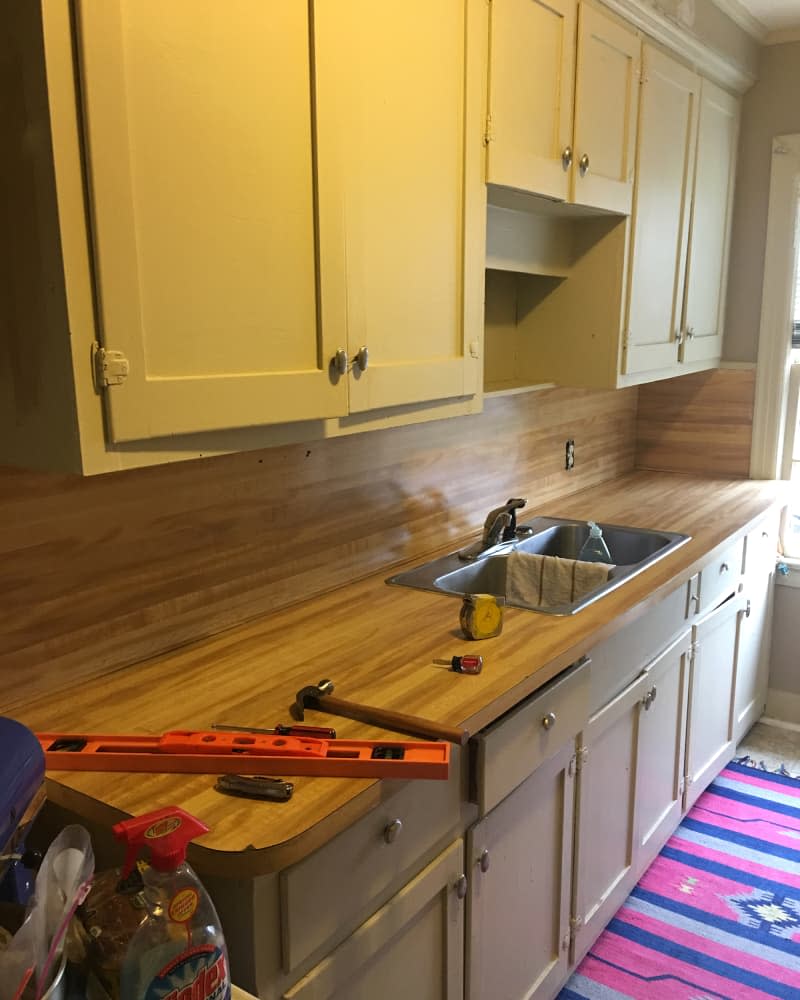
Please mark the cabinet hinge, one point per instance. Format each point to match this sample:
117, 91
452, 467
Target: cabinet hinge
578, 761
108, 367
488, 135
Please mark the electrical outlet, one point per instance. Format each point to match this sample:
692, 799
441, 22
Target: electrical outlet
569, 461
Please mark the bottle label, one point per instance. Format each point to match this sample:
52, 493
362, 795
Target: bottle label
196, 974
183, 905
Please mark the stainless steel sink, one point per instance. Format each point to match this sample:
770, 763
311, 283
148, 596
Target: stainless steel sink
632, 550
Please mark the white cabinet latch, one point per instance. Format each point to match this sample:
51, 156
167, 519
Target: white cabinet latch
109, 367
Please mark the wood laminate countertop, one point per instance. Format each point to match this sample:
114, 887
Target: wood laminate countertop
378, 644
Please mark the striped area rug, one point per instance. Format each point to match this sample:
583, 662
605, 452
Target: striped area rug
717, 914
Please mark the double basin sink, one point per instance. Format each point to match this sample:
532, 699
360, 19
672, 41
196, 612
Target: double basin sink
467, 571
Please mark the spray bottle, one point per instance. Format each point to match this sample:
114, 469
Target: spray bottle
178, 952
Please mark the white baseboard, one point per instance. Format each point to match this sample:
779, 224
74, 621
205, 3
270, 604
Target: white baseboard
783, 709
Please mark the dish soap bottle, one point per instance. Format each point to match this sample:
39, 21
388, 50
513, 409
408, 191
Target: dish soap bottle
178, 950
594, 549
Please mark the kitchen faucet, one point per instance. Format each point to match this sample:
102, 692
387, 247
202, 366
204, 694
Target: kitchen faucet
500, 526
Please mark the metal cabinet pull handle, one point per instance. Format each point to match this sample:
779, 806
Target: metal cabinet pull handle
392, 831
483, 860
747, 609
361, 360
549, 720
724, 568
690, 332
339, 362
461, 886
583, 164
649, 698
566, 157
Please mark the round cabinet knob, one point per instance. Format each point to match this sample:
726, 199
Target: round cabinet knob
724, 568
483, 860
690, 332
583, 164
566, 157
461, 886
549, 720
361, 360
747, 610
392, 831
649, 698
339, 362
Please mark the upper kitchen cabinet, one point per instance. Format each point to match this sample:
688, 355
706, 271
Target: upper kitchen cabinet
662, 203
712, 205
562, 102
248, 223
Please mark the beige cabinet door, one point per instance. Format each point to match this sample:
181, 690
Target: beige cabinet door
531, 79
754, 632
710, 745
605, 815
712, 203
412, 947
661, 750
519, 872
395, 126
606, 97
199, 150
661, 206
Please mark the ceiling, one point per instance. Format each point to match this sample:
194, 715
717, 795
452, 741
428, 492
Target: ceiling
774, 15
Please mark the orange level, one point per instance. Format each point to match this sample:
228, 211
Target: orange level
198, 752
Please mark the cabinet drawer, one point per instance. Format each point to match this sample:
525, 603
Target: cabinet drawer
761, 546
327, 894
511, 749
620, 658
716, 581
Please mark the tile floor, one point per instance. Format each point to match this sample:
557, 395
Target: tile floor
773, 746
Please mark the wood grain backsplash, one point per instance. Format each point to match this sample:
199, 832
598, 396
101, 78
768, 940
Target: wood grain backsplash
97, 573
698, 423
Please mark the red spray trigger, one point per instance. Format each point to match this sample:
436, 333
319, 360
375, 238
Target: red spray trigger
166, 832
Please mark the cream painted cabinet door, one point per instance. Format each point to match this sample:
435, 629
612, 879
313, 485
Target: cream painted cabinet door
606, 98
198, 125
712, 203
531, 80
412, 947
661, 750
605, 815
519, 873
661, 206
710, 744
398, 152
754, 632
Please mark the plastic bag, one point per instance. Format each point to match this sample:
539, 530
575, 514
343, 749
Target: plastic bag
61, 885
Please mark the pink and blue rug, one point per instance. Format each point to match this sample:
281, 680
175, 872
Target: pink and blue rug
717, 914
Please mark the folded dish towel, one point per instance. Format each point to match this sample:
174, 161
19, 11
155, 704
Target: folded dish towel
549, 581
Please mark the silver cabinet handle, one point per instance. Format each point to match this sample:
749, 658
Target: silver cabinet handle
361, 360
549, 720
649, 698
583, 164
392, 831
483, 860
679, 336
566, 157
339, 362
690, 332
724, 567
747, 609
461, 886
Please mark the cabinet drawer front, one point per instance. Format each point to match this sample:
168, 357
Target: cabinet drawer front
761, 546
718, 580
512, 749
621, 657
329, 893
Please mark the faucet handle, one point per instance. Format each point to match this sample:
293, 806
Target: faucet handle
505, 517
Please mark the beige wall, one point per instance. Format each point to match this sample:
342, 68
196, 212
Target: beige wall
770, 108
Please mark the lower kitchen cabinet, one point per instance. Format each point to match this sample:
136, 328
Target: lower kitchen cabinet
629, 792
412, 947
520, 861
710, 741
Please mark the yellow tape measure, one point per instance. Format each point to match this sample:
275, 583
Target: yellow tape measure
481, 616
